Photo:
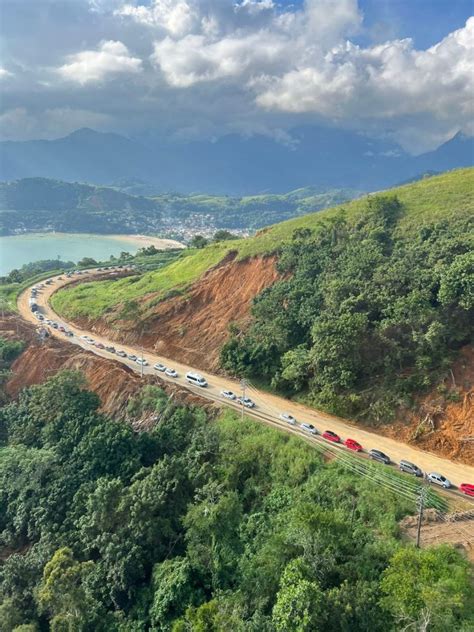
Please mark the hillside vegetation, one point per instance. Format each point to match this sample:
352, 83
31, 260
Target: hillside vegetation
42, 204
200, 526
375, 298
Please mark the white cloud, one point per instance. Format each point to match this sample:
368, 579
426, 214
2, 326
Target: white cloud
212, 67
110, 59
388, 81
177, 17
4, 73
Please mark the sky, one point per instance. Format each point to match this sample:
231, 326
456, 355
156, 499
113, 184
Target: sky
200, 69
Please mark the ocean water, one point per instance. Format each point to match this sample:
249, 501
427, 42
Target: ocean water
16, 250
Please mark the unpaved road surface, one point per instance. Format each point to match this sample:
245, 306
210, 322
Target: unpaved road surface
268, 406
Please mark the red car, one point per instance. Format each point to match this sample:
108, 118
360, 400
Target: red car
331, 436
467, 489
353, 445
99, 345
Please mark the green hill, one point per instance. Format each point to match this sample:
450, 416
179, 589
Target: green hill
442, 197
43, 204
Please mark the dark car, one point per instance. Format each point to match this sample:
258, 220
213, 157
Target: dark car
99, 345
110, 349
377, 455
331, 436
410, 468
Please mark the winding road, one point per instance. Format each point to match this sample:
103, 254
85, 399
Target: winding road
268, 406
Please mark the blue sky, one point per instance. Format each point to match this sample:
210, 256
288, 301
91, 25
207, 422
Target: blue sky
201, 69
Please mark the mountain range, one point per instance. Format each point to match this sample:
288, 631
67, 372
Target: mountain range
232, 165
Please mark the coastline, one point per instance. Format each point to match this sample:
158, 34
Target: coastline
140, 241
146, 240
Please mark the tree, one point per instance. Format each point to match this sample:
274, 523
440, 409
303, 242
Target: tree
223, 235
428, 589
87, 262
198, 241
299, 605
63, 592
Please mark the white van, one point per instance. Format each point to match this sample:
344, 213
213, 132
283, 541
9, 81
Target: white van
196, 379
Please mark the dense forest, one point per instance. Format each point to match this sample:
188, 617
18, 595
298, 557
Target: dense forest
367, 314
42, 204
201, 524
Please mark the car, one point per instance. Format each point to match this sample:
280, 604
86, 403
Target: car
99, 345
377, 455
110, 349
246, 401
410, 468
171, 373
55, 325
69, 334
39, 316
309, 428
90, 341
196, 379
61, 328
228, 394
121, 354
160, 367
331, 436
352, 444
439, 479
288, 418
467, 489
141, 361
84, 337
48, 321
132, 356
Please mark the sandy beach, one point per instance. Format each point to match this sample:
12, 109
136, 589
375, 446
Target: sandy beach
142, 241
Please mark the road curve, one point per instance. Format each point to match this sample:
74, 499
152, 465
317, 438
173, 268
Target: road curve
268, 406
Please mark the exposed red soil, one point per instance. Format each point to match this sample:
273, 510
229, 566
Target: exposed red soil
438, 424
113, 382
193, 328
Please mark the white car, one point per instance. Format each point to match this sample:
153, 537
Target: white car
288, 418
83, 337
439, 479
160, 367
141, 361
228, 394
309, 428
132, 356
246, 401
90, 341
121, 354
171, 373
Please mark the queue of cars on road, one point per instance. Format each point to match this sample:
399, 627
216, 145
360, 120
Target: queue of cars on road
198, 380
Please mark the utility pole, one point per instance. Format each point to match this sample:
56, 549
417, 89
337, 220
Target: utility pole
141, 365
421, 506
243, 385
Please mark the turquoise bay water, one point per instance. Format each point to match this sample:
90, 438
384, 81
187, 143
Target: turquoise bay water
19, 249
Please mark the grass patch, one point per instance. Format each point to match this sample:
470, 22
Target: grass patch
95, 298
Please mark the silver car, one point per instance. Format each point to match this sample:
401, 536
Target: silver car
288, 418
439, 479
309, 428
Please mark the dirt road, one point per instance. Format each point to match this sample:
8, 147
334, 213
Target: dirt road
268, 407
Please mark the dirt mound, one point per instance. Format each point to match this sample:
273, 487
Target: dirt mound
443, 420
192, 328
436, 528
